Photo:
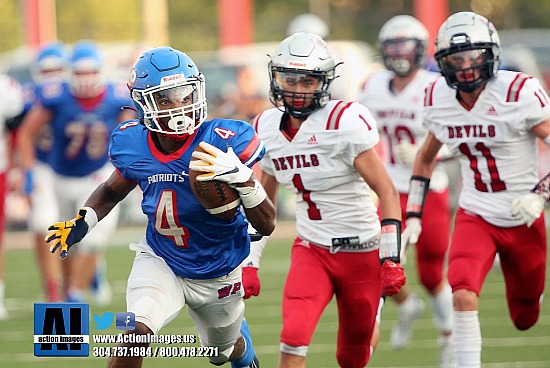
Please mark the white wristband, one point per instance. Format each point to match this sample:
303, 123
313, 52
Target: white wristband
252, 196
90, 218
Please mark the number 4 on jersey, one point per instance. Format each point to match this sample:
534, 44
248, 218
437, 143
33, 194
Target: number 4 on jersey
166, 221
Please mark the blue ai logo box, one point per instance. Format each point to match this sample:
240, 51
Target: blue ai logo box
61, 329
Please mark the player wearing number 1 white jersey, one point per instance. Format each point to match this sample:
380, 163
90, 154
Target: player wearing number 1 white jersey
322, 151
491, 122
317, 165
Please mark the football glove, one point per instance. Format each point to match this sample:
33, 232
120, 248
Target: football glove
219, 165
527, 208
251, 282
392, 276
65, 234
410, 234
406, 152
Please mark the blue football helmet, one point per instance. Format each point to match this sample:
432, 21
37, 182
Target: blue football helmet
86, 64
163, 75
50, 63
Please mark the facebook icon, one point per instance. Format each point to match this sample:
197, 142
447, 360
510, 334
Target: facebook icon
125, 321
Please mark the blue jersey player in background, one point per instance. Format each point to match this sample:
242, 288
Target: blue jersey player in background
188, 256
80, 112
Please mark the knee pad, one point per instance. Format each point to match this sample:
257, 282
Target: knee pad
293, 350
223, 356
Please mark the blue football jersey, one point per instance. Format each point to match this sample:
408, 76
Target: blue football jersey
38, 92
194, 243
81, 130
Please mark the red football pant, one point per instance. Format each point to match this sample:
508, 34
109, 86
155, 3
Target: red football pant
522, 253
434, 240
315, 275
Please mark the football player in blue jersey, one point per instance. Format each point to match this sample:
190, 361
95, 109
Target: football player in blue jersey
188, 257
81, 113
48, 71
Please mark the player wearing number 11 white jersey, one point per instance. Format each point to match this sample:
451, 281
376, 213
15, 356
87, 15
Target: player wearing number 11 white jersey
491, 123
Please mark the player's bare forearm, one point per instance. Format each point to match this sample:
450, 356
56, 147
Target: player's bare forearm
375, 175
389, 204
262, 216
106, 196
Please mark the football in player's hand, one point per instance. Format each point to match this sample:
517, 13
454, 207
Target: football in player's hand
215, 196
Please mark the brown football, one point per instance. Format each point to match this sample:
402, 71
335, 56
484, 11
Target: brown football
214, 194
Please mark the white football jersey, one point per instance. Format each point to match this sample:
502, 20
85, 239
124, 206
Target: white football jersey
11, 105
496, 149
333, 202
399, 118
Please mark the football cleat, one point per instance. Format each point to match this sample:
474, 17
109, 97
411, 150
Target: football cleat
248, 355
408, 313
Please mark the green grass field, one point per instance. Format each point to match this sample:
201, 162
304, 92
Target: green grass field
503, 346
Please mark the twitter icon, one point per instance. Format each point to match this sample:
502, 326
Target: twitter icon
103, 323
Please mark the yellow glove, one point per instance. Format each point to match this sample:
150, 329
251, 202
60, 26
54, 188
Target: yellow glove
65, 234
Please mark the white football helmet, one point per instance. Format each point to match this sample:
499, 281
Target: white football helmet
308, 22
298, 56
467, 31
402, 43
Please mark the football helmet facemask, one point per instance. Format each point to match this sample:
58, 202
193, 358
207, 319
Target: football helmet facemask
86, 64
298, 58
169, 92
402, 43
467, 35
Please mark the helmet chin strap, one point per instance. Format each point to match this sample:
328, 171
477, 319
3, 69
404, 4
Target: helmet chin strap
181, 123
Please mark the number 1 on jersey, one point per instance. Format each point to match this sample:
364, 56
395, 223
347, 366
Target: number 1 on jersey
312, 210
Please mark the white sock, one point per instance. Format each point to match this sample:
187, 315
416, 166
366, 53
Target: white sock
442, 307
379, 312
467, 339
408, 304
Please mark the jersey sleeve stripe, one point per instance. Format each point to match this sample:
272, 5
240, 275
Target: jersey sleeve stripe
516, 86
252, 150
542, 96
428, 93
333, 122
254, 122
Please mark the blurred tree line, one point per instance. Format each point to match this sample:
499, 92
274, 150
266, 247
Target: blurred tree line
193, 23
